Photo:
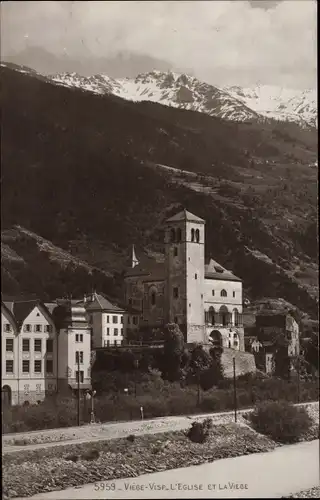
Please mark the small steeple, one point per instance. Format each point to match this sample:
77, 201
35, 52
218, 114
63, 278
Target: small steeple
135, 261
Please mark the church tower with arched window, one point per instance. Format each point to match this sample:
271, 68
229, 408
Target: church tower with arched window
184, 280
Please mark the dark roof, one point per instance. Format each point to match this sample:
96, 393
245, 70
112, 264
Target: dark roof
100, 303
21, 309
150, 270
185, 216
214, 270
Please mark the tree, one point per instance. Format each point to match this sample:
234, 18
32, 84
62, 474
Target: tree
173, 351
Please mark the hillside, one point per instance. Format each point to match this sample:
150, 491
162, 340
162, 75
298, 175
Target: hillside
81, 171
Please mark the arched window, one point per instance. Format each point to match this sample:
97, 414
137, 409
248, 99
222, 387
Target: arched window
192, 234
197, 235
153, 298
223, 293
224, 316
236, 317
179, 234
211, 315
172, 235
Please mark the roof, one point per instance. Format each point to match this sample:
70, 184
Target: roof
20, 310
151, 270
100, 303
185, 216
214, 270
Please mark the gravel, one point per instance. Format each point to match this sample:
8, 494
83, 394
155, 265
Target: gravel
310, 493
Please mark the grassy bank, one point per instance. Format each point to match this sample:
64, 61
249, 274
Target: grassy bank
158, 399
31, 472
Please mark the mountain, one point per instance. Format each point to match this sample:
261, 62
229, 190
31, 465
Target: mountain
93, 174
187, 92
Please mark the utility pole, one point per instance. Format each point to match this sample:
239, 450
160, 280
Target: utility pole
78, 359
298, 379
235, 390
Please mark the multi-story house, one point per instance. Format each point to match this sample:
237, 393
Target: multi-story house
204, 300
40, 343
108, 321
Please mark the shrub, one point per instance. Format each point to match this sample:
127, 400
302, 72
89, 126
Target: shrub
131, 438
200, 431
91, 455
281, 421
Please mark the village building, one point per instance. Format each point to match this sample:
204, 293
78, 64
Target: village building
205, 300
43, 346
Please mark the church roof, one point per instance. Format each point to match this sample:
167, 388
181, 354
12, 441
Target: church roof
149, 269
213, 270
184, 215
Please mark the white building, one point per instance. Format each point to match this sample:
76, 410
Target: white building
40, 343
108, 321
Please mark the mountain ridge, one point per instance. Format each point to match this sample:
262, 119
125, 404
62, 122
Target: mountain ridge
187, 92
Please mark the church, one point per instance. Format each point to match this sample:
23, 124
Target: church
205, 300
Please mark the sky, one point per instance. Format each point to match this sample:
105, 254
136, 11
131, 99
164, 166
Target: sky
222, 42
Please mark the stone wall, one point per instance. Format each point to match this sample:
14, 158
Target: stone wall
245, 362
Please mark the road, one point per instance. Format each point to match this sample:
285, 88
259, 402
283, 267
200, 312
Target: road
275, 474
112, 430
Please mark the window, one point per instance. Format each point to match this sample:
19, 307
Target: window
172, 235
25, 366
130, 302
223, 293
37, 366
49, 366
81, 377
129, 320
79, 356
121, 319
135, 320
37, 345
197, 235
114, 319
48, 328
25, 345
175, 251
9, 366
38, 328
179, 234
108, 317
176, 292
115, 331
212, 293
9, 345
7, 327
108, 331
153, 298
27, 328
192, 234
79, 337
196, 276
121, 331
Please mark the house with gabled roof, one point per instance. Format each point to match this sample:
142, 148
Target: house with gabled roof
107, 321
41, 343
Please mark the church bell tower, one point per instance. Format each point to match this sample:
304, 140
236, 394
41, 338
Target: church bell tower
184, 286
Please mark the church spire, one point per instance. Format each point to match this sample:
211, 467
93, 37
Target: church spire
135, 261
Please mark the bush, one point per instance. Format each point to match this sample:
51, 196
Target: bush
200, 431
281, 421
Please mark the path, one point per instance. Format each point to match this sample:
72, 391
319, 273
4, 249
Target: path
113, 430
275, 474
